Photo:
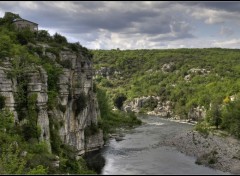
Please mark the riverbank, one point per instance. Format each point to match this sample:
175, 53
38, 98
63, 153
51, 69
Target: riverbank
222, 153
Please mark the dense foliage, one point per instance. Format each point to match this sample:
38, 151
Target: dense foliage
187, 77
111, 120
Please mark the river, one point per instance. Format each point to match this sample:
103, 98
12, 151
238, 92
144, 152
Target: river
141, 151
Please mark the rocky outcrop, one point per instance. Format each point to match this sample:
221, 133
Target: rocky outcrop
153, 105
107, 72
168, 67
199, 71
73, 83
37, 84
197, 113
7, 89
195, 71
75, 86
157, 106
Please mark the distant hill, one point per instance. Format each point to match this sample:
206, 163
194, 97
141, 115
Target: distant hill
190, 79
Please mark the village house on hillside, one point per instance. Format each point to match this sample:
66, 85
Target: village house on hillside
22, 23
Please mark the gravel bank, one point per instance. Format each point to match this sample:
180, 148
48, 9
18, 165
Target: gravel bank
222, 153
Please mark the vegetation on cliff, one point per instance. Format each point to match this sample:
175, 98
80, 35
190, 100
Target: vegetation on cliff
22, 152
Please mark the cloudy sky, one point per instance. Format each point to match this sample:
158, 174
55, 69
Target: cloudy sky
136, 25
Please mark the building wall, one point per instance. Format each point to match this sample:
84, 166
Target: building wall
24, 24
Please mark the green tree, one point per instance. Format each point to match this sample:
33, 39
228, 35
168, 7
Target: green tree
43, 36
10, 162
214, 115
5, 45
231, 118
59, 39
38, 170
119, 100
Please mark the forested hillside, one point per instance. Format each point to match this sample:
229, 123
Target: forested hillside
189, 78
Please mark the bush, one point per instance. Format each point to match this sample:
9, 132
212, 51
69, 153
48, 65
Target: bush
150, 104
43, 36
74, 46
38, 170
202, 128
119, 100
25, 35
59, 39
5, 45
31, 130
54, 135
52, 99
38, 147
231, 118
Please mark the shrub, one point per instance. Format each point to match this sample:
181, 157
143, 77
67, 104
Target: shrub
59, 39
119, 100
39, 148
202, 128
25, 35
38, 170
43, 36
31, 130
54, 135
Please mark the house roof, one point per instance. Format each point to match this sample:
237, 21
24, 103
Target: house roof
20, 19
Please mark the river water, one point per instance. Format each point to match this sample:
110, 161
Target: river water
141, 151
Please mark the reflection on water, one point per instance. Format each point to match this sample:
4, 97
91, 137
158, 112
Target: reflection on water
141, 151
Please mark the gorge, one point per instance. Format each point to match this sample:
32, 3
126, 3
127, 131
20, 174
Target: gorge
60, 101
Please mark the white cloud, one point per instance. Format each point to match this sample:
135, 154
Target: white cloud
213, 16
232, 43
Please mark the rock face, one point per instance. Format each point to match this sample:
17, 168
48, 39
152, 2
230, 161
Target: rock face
195, 71
37, 84
73, 83
197, 113
168, 67
7, 89
75, 86
107, 72
159, 108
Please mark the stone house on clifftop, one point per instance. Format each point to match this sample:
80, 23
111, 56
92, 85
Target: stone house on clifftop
22, 23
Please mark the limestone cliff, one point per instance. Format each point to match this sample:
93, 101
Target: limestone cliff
77, 106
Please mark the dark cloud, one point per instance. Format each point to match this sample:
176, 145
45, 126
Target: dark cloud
229, 6
111, 21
